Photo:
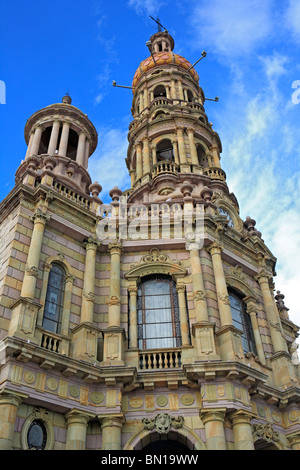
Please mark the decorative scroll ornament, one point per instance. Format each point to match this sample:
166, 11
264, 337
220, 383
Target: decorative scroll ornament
266, 432
162, 423
200, 295
156, 262
89, 296
155, 256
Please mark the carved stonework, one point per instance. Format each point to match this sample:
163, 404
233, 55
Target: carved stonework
224, 298
156, 262
199, 295
31, 271
266, 432
163, 423
89, 296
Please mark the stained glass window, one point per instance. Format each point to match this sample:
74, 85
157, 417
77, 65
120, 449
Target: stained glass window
54, 299
242, 321
158, 314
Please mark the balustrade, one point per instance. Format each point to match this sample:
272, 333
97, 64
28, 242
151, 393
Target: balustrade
160, 359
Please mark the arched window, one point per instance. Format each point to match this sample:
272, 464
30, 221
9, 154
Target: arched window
190, 96
164, 151
160, 91
242, 321
158, 313
54, 299
37, 435
202, 158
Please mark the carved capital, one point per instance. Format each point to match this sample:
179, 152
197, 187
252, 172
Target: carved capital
91, 243
266, 432
115, 248
215, 248
40, 217
224, 298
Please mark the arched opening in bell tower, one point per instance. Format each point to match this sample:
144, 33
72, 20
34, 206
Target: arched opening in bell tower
159, 92
202, 157
164, 151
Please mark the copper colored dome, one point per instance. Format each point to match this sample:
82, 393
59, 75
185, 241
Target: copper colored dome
163, 58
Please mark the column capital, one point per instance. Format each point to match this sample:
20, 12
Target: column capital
263, 276
194, 245
240, 417
180, 287
190, 130
8, 397
115, 248
208, 415
40, 217
132, 290
91, 243
180, 128
215, 248
113, 420
78, 417
138, 146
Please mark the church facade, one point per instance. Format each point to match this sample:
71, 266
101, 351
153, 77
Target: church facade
150, 322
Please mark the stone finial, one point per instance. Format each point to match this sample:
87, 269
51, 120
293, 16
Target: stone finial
67, 99
186, 189
95, 189
206, 194
115, 194
249, 225
279, 301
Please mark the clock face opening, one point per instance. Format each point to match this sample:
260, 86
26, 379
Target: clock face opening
223, 212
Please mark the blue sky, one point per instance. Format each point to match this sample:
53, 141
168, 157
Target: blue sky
252, 64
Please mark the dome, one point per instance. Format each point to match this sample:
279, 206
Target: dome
163, 58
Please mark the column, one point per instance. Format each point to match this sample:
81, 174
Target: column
141, 101
132, 177
223, 299
31, 271
180, 90
36, 140
198, 284
154, 158
139, 167
183, 315
146, 156
173, 89
114, 313
252, 310
216, 156
242, 432
81, 149
193, 149
54, 138
133, 317
77, 425
229, 339
9, 404
213, 421
146, 101
86, 154
203, 330
111, 433
175, 150
29, 145
88, 297
272, 314
181, 145
63, 146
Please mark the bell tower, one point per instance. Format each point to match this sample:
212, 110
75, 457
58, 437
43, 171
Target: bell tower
60, 139
170, 137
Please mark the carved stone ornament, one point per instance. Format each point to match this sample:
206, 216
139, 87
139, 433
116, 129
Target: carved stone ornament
89, 296
224, 299
266, 432
199, 295
155, 262
162, 423
32, 271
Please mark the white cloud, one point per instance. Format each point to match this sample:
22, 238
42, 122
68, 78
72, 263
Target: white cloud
292, 18
149, 7
107, 165
231, 28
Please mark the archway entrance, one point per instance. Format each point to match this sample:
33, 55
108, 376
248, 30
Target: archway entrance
167, 445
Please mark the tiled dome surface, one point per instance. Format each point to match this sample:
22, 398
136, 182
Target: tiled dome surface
163, 58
